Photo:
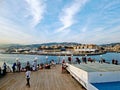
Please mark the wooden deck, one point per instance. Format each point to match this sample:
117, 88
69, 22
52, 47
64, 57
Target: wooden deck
51, 79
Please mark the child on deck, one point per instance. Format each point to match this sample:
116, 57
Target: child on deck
28, 72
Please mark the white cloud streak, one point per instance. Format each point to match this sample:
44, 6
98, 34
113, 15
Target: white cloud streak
98, 36
37, 9
69, 12
12, 33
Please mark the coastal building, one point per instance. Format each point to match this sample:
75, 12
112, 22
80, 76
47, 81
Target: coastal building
52, 48
71, 49
60, 49
116, 48
111, 48
2, 50
86, 48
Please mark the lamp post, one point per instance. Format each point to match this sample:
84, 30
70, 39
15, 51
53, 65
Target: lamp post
46, 59
65, 57
85, 59
17, 60
36, 58
58, 59
100, 58
71, 58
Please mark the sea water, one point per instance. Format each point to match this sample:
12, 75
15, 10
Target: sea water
23, 58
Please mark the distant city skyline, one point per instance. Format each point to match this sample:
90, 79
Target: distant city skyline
44, 21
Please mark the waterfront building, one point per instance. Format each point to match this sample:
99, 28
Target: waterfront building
2, 50
86, 48
69, 48
112, 48
109, 48
116, 48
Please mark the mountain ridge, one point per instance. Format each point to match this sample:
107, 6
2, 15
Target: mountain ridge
3, 46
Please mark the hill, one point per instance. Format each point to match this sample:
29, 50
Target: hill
3, 46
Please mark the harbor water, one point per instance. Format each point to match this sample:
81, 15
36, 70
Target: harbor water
23, 58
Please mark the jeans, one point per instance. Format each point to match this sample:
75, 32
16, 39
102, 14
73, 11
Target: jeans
28, 83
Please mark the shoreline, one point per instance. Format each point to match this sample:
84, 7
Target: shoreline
49, 54
61, 54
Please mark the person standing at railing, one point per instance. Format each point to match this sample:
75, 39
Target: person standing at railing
13, 67
69, 59
63, 66
18, 64
0, 71
4, 68
78, 60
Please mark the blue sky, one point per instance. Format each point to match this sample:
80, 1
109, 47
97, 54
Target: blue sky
41, 21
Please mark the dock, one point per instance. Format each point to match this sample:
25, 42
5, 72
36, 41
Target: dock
45, 79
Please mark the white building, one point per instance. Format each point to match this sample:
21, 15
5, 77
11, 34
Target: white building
86, 48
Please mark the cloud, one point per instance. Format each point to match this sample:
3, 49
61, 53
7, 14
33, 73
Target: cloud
99, 35
10, 32
68, 13
36, 9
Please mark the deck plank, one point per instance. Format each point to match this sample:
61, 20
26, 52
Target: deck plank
51, 79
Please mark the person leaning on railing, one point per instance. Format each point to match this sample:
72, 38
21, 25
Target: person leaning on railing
63, 66
4, 68
0, 71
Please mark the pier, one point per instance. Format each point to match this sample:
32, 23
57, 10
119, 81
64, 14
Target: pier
45, 79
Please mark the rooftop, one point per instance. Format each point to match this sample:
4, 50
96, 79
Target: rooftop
98, 67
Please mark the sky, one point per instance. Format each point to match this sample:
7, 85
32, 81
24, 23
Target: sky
43, 21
